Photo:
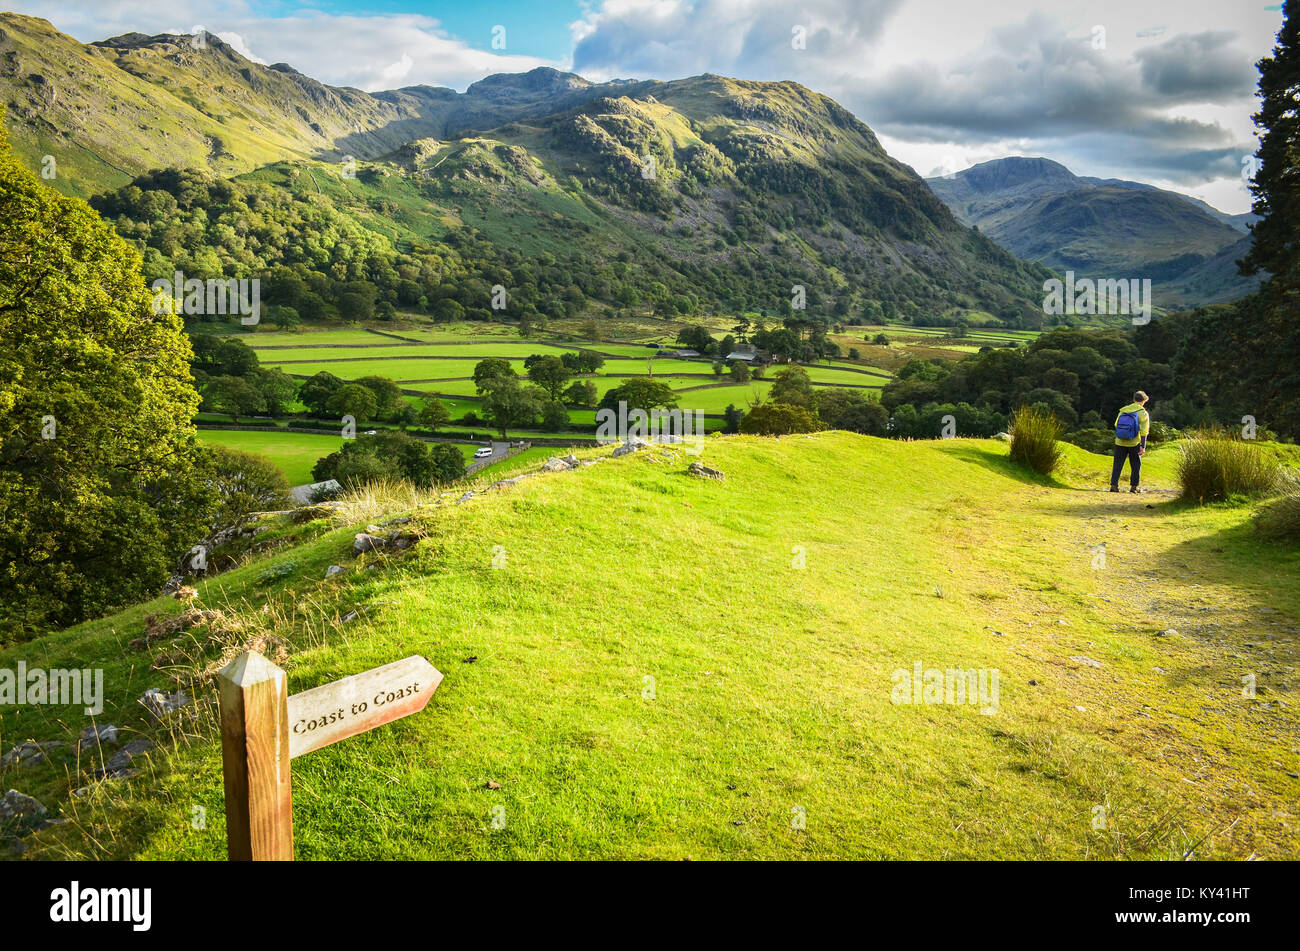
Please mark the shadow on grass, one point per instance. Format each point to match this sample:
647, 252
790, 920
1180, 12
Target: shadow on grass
996, 460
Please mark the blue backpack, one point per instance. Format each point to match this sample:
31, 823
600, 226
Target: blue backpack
1127, 426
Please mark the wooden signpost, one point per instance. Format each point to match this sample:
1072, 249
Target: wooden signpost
262, 728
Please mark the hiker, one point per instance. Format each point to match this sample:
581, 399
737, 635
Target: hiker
1131, 428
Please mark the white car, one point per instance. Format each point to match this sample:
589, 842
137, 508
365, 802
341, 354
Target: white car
483, 453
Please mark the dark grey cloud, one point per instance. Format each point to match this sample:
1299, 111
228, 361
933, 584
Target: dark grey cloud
1034, 84
1201, 67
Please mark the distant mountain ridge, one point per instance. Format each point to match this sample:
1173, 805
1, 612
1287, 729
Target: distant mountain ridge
752, 192
1104, 228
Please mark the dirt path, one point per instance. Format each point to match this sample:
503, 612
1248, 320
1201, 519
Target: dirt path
1156, 630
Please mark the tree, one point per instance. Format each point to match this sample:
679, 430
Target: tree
353, 399
357, 301
447, 463
388, 395
779, 419
550, 374
488, 372
853, 410
583, 361
434, 415
1275, 185
697, 338
243, 482
232, 395
791, 385
316, 391
732, 418
405, 415
278, 390
581, 393
880, 340
640, 393
390, 455
97, 455
285, 317
555, 417
740, 371
509, 404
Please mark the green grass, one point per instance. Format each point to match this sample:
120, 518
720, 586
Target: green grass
771, 630
294, 454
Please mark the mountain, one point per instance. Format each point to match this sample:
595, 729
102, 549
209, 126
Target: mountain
722, 193
1104, 228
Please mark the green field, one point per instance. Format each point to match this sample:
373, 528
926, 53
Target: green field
626, 709
293, 453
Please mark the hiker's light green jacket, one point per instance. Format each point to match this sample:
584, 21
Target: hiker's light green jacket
1144, 425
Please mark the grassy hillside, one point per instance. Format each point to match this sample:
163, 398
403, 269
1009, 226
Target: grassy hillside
755, 187
671, 667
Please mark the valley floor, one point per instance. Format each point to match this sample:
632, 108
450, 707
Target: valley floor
652, 665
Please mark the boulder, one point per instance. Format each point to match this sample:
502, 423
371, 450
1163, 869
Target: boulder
632, 445
15, 805
364, 542
120, 762
555, 464
93, 736
161, 704
333, 570
705, 472
29, 753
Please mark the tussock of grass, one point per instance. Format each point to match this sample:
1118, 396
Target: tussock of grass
1216, 465
1280, 518
1034, 435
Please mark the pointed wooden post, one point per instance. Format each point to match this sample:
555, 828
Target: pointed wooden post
254, 696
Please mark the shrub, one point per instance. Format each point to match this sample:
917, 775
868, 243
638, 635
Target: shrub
1101, 441
1034, 433
1216, 465
779, 419
1280, 518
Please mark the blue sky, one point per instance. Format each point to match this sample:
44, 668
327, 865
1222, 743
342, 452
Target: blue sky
534, 27
1158, 91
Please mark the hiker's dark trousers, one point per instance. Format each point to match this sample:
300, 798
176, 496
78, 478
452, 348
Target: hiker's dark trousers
1132, 454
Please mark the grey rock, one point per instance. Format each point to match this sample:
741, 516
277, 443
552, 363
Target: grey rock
162, 704
403, 541
1168, 632
29, 753
15, 805
364, 542
1086, 661
120, 762
333, 570
705, 472
93, 736
555, 464
465, 498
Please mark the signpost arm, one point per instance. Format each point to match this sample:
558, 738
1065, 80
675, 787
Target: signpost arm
255, 756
